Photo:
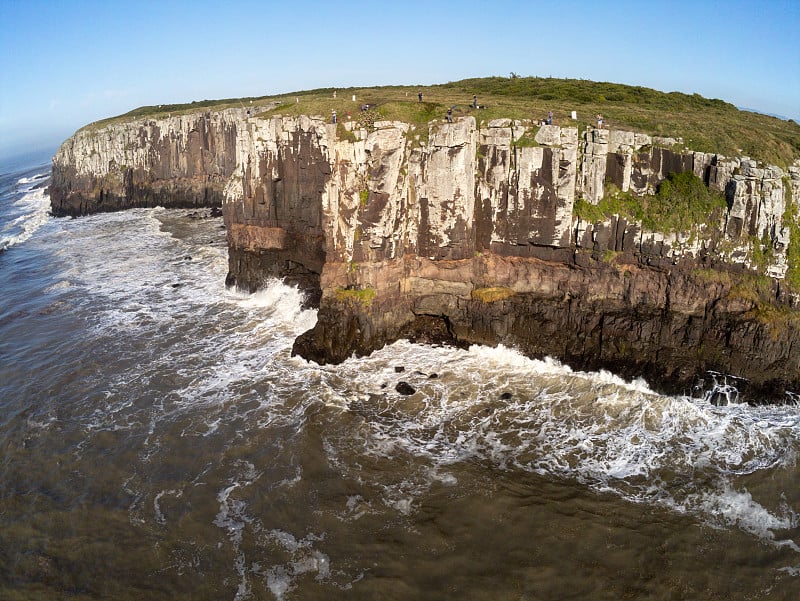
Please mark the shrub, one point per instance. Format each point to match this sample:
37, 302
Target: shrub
681, 202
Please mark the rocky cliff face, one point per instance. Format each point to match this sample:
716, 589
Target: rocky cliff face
467, 234
181, 161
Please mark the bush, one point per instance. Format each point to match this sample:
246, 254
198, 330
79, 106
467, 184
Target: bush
681, 202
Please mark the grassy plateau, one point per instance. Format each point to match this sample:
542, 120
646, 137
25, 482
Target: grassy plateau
708, 125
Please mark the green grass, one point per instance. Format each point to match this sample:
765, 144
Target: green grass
790, 219
681, 202
361, 296
528, 139
708, 125
615, 202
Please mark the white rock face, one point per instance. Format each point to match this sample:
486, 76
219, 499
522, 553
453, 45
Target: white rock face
379, 194
136, 144
593, 166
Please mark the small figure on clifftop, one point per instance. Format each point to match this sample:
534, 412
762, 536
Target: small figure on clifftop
333, 117
419, 96
450, 114
549, 117
474, 101
599, 121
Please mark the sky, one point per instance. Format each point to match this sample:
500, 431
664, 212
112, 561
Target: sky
66, 63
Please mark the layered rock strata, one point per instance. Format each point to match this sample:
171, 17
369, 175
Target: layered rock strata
467, 234
182, 161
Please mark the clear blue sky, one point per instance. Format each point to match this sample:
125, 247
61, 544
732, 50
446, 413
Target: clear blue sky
66, 63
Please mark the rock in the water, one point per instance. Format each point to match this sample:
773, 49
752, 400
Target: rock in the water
405, 388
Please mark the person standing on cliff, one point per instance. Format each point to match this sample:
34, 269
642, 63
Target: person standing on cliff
333, 117
599, 121
450, 114
474, 101
419, 96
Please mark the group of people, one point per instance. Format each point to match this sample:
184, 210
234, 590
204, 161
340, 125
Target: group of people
450, 109
547, 121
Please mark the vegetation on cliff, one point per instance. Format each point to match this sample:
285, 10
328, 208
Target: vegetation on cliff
707, 125
792, 221
680, 203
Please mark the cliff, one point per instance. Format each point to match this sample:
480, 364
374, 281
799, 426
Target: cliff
182, 161
466, 234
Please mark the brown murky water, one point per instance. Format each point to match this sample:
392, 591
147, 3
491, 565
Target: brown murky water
158, 442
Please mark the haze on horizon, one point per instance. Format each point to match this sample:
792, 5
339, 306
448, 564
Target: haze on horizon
66, 64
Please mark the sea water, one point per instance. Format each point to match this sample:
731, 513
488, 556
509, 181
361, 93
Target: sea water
158, 441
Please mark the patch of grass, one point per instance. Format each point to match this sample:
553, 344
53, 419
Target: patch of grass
361, 296
490, 295
761, 252
752, 287
624, 204
363, 196
790, 219
343, 133
776, 318
615, 202
587, 211
713, 276
681, 202
609, 255
528, 139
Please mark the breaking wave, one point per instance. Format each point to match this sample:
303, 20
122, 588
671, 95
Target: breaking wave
26, 215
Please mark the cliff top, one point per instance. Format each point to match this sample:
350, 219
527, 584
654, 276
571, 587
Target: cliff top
707, 125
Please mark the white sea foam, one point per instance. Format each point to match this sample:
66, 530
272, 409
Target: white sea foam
732, 507
35, 208
159, 515
610, 434
25, 181
304, 559
233, 518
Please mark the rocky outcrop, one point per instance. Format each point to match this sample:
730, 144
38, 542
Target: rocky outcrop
180, 161
467, 234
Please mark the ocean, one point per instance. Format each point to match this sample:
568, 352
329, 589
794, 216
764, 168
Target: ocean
158, 441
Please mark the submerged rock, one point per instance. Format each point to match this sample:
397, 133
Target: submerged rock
405, 388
